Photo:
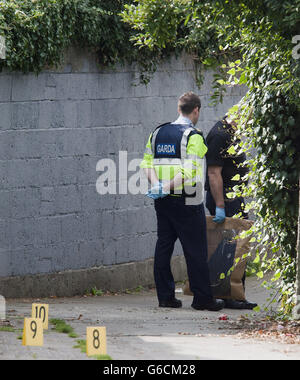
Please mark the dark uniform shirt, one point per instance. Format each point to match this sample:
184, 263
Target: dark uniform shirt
218, 141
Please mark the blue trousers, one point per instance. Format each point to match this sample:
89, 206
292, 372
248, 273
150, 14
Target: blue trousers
175, 220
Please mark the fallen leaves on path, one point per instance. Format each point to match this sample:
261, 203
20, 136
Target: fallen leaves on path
283, 331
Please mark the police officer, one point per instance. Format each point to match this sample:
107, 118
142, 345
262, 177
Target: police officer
173, 163
221, 168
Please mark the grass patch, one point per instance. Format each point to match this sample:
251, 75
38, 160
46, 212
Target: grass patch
94, 292
61, 326
81, 343
12, 329
138, 289
103, 357
7, 329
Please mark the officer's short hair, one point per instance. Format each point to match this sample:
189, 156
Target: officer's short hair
188, 102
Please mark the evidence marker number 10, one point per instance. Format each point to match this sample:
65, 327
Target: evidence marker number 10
33, 332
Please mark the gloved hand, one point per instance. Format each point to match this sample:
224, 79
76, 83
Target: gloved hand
220, 215
157, 191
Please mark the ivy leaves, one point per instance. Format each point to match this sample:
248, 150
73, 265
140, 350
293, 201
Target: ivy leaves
250, 43
247, 42
37, 32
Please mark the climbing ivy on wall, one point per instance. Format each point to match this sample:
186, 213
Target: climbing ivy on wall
249, 42
38, 31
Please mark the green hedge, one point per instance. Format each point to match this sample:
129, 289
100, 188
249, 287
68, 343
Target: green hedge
37, 32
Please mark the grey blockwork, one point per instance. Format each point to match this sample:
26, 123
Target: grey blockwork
54, 128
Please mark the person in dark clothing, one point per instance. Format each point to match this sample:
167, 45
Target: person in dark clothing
221, 168
174, 157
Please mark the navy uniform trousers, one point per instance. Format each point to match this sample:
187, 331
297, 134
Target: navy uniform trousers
175, 220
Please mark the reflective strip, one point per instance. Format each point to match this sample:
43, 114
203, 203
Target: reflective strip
154, 138
148, 151
193, 157
190, 165
183, 144
196, 179
183, 150
167, 161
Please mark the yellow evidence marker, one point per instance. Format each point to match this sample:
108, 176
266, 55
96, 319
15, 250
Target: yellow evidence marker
95, 341
41, 311
33, 332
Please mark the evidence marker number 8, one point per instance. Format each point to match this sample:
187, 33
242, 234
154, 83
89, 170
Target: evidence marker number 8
96, 341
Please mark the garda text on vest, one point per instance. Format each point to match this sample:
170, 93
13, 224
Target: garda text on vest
168, 149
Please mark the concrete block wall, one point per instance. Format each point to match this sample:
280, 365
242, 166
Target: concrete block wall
54, 128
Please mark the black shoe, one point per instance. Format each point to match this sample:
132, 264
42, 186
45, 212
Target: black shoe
171, 303
213, 305
233, 304
240, 305
249, 305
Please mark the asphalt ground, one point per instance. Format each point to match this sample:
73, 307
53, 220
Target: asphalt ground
137, 329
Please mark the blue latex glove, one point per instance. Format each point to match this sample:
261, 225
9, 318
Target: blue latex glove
157, 191
220, 215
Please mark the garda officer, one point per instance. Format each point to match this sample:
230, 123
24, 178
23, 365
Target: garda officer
173, 163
